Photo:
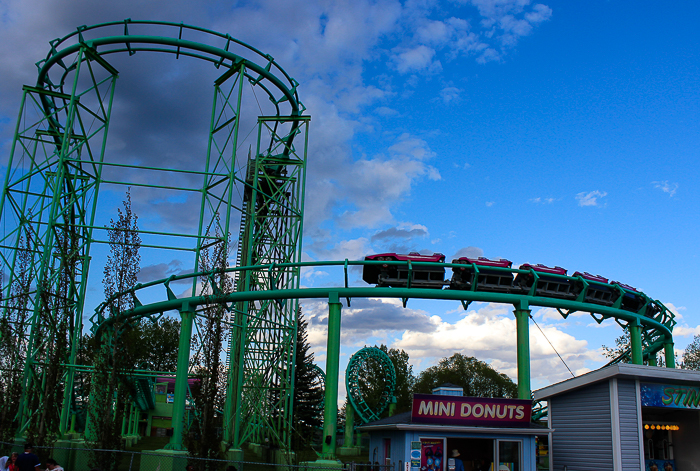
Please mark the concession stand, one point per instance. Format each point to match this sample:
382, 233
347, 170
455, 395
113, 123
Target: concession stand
625, 417
488, 434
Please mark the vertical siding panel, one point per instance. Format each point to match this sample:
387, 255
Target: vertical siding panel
582, 440
629, 425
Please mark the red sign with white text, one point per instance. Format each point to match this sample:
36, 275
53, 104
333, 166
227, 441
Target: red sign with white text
461, 410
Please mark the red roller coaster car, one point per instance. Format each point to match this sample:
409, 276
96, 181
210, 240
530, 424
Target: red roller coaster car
599, 291
396, 275
488, 279
547, 285
634, 301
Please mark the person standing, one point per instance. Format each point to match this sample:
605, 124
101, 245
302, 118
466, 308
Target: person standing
458, 465
11, 464
28, 461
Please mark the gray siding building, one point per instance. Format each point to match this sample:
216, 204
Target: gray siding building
625, 418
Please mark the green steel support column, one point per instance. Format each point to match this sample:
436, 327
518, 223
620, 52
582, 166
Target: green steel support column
330, 412
125, 422
670, 354
183, 360
349, 425
652, 359
522, 319
635, 330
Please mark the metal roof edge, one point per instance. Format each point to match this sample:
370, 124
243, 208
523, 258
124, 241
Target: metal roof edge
620, 370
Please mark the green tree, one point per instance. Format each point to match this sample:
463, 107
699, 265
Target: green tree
116, 354
157, 344
691, 355
208, 393
622, 347
476, 377
623, 350
405, 379
308, 396
12, 325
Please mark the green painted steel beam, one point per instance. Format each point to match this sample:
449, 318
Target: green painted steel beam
183, 361
330, 413
522, 319
635, 330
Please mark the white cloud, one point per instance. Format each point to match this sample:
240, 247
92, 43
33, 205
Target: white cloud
416, 59
686, 330
666, 187
590, 198
471, 252
489, 333
450, 94
490, 203
540, 200
411, 147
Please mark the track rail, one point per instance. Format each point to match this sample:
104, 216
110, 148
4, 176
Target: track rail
656, 331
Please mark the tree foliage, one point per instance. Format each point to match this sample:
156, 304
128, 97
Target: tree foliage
476, 377
12, 327
308, 395
622, 350
115, 356
691, 356
405, 379
156, 344
208, 393
622, 346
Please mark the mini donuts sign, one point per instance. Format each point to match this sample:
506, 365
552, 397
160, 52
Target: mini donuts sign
459, 410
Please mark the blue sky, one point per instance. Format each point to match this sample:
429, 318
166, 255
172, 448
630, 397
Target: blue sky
563, 133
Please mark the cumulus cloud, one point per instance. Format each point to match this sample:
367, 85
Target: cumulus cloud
471, 252
686, 330
163, 270
416, 59
410, 231
366, 318
591, 198
489, 333
666, 187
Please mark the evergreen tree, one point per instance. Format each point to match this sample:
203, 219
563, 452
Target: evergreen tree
476, 377
308, 395
115, 355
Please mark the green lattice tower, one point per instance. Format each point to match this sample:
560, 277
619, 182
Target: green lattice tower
264, 332
58, 164
48, 210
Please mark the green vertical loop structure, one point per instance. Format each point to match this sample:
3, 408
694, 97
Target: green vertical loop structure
364, 360
49, 208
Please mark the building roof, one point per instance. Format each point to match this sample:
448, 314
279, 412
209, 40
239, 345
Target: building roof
654, 374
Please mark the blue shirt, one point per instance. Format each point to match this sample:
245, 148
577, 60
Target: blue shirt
27, 462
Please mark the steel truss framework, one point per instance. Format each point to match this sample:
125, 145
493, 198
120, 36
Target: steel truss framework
649, 335
49, 205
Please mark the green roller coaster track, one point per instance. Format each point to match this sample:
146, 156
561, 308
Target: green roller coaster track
361, 362
649, 335
49, 207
